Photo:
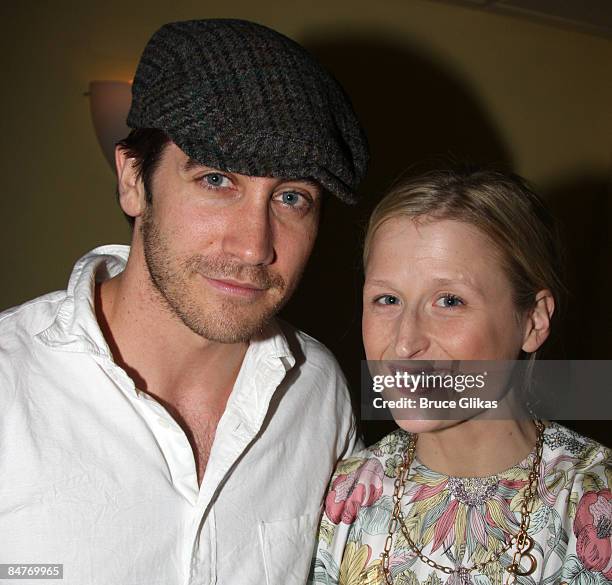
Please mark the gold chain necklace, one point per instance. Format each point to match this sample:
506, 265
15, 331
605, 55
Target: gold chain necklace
524, 543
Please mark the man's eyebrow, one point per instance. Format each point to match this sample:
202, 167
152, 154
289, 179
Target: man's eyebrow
191, 164
307, 181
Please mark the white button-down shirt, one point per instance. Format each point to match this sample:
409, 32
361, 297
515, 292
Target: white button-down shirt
99, 477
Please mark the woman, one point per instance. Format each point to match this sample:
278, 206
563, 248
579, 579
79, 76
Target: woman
463, 266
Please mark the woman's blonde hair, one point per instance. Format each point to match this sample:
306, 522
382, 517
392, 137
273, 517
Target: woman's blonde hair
502, 206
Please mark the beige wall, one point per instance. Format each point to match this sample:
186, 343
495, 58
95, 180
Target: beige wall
541, 94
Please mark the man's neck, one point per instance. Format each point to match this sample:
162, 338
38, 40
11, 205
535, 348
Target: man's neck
161, 354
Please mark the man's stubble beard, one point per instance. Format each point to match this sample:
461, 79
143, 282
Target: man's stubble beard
226, 321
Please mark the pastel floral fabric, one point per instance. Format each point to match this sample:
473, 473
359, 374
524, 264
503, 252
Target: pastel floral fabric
460, 522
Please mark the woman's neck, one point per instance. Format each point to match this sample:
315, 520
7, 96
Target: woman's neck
477, 448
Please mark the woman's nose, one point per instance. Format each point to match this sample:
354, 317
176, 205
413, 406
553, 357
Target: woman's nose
412, 340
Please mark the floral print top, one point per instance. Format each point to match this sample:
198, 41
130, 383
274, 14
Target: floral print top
460, 522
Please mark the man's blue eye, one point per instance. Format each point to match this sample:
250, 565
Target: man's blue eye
290, 198
215, 179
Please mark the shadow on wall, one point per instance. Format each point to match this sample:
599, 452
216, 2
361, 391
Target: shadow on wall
413, 111
584, 209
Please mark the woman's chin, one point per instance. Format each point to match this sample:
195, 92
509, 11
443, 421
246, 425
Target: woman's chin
425, 425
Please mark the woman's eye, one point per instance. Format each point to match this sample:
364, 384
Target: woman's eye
449, 301
387, 300
215, 181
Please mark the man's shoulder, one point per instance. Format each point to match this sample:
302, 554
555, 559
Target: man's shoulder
18, 329
31, 317
314, 368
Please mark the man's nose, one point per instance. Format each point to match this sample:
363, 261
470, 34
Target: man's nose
249, 237
412, 339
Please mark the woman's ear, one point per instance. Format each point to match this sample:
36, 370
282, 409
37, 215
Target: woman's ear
129, 184
537, 325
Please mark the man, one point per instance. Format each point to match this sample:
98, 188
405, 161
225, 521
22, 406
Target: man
157, 425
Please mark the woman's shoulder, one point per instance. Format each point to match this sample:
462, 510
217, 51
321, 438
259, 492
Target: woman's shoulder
358, 481
358, 502
576, 482
557, 435
566, 445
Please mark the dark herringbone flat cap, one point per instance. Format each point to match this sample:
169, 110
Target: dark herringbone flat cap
238, 96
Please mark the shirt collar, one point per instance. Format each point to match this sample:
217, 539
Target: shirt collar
75, 327
271, 344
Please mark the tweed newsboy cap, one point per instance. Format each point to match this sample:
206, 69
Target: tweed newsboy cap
240, 97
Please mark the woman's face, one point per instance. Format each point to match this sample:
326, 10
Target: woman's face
436, 290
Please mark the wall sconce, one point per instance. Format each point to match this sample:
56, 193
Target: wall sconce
109, 103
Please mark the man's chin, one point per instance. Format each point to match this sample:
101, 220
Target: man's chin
229, 324
233, 333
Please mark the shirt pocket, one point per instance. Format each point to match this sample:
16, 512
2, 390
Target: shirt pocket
287, 547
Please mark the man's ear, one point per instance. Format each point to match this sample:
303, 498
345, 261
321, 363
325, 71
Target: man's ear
131, 188
537, 325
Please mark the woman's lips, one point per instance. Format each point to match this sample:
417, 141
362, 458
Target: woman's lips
413, 379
